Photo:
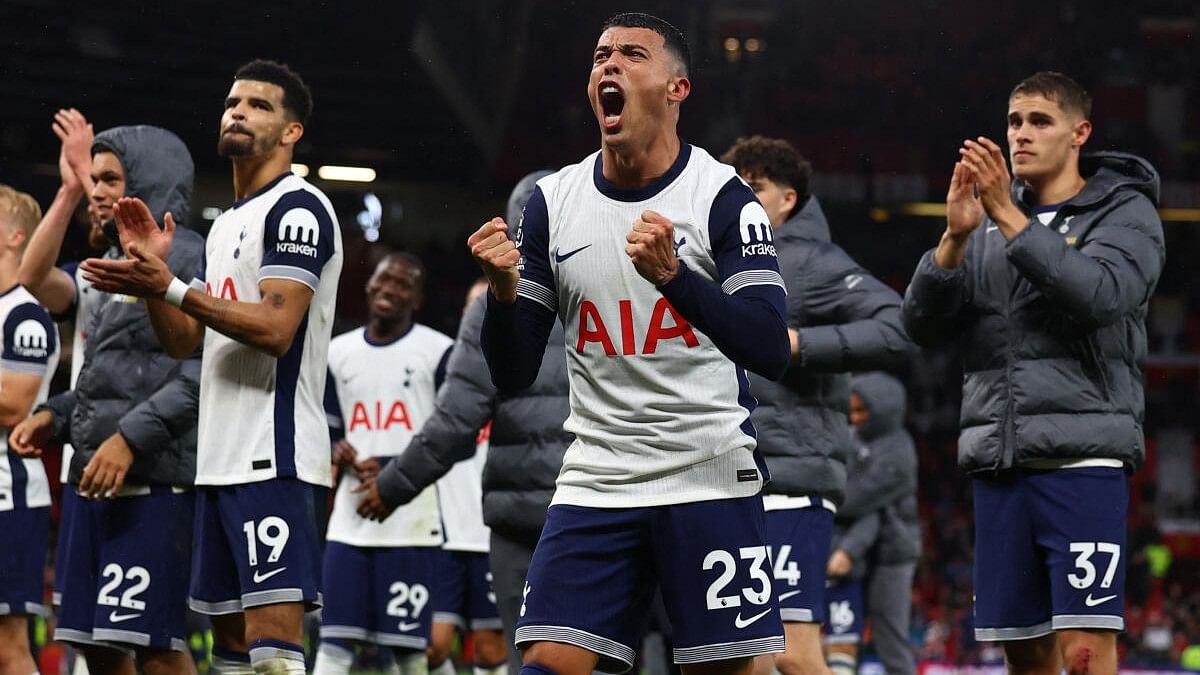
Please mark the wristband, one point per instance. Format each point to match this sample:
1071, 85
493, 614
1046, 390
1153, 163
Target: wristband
175, 292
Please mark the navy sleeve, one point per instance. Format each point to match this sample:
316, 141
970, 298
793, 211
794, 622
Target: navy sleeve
745, 316
514, 335
199, 280
439, 375
30, 339
297, 239
333, 410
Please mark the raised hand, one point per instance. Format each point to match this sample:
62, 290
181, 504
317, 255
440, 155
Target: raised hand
142, 274
989, 170
498, 257
964, 212
651, 247
76, 134
137, 229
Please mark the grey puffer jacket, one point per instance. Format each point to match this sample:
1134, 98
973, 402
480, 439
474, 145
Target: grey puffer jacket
884, 475
847, 320
527, 438
128, 383
1052, 323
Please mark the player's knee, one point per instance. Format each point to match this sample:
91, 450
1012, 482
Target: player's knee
163, 662
1026, 656
1089, 656
800, 662
437, 653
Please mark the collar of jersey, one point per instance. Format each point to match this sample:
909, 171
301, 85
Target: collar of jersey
384, 343
645, 192
262, 190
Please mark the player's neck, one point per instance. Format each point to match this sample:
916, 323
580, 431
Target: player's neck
384, 330
9, 266
251, 174
639, 166
1058, 188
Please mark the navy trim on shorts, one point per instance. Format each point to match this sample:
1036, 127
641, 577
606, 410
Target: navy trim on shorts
133, 637
1005, 634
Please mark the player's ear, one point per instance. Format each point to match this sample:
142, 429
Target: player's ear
789, 199
678, 89
292, 133
1081, 133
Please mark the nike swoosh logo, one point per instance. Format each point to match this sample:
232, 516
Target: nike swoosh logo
259, 578
785, 596
563, 257
118, 618
405, 627
1092, 602
739, 622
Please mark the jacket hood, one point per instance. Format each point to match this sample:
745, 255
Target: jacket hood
521, 194
158, 169
807, 223
1106, 173
885, 398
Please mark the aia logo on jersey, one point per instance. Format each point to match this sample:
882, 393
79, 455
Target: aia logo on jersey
298, 233
755, 228
227, 290
373, 418
665, 324
30, 340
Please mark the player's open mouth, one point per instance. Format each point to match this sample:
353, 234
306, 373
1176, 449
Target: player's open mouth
612, 102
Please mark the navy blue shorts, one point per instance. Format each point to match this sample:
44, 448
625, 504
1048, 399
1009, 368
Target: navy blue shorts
464, 595
847, 612
1049, 552
125, 570
255, 544
800, 542
382, 595
23, 561
594, 572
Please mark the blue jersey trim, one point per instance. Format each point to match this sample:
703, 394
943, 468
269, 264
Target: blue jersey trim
262, 190
20, 480
287, 375
647, 191
389, 341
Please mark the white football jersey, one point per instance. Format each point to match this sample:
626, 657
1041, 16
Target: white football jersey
659, 414
87, 303
460, 495
28, 344
263, 417
385, 392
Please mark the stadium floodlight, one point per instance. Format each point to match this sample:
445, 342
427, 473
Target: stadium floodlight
300, 170
354, 174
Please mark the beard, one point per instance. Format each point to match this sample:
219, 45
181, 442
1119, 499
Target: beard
229, 146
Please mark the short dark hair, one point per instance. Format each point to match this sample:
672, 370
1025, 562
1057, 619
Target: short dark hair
672, 38
297, 97
1058, 88
411, 259
774, 159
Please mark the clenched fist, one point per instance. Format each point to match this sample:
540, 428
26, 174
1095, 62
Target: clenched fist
651, 247
498, 256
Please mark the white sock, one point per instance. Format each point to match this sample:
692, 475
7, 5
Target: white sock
498, 669
332, 660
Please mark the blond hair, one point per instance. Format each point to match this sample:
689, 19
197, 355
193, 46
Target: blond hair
20, 209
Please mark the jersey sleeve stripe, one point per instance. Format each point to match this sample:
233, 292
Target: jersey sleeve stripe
288, 272
32, 368
538, 293
746, 278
